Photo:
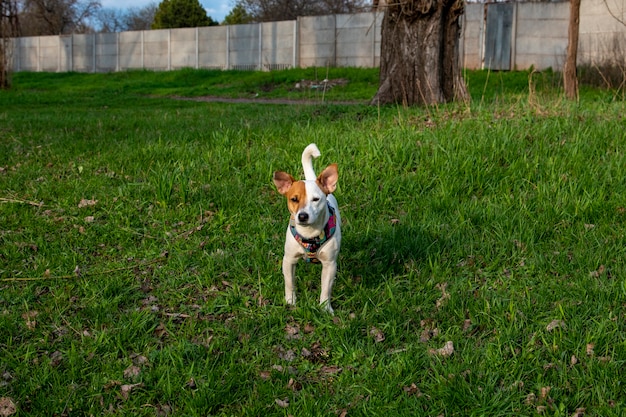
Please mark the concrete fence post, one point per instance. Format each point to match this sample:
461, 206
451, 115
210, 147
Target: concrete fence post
94, 44
197, 49
59, 53
514, 36
169, 49
294, 60
260, 65
227, 47
117, 52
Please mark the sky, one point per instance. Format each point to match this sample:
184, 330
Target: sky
216, 9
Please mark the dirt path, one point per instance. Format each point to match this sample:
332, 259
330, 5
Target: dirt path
213, 99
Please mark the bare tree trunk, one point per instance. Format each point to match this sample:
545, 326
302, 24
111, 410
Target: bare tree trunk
570, 81
8, 30
419, 61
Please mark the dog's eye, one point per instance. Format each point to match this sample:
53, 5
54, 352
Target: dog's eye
294, 199
316, 199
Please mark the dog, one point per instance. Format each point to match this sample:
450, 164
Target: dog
314, 231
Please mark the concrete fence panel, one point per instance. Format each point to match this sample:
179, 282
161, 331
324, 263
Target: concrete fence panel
156, 49
213, 47
244, 47
473, 34
48, 53
183, 48
83, 53
317, 41
131, 50
356, 40
278, 45
106, 52
541, 35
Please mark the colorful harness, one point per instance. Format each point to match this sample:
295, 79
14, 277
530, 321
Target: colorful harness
311, 246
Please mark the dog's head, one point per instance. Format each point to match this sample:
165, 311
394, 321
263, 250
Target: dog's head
307, 199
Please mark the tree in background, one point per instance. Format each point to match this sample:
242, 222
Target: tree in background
570, 80
277, 10
237, 16
419, 53
8, 29
113, 20
140, 18
56, 17
181, 14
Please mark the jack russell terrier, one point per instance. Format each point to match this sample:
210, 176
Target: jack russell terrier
314, 231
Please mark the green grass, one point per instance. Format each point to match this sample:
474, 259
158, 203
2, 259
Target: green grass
141, 241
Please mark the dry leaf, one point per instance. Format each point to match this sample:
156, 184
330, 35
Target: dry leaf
545, 391
580, 412
331, 370
444, 294
87, 203
590, 347
377, 334
282, 403
445, 351
413, 390
160, 331
192, 383
265, 375
530, 399
126, 389
555, 324
292, 332
294, 385
574, 360
7, 407
131, 372
55, 358
467, 324
29, 317
288, 355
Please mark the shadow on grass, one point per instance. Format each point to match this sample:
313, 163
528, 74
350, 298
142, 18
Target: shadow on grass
374, 256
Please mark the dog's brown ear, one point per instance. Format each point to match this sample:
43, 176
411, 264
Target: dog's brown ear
283, 181
327, 180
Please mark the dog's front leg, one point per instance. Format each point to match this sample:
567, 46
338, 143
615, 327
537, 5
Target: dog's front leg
329, 270
289, 272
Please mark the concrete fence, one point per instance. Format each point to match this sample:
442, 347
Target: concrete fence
509, 36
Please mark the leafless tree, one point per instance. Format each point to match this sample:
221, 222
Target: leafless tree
56, 17
419, 62
119, 20
277, 10
8, 30
140, 18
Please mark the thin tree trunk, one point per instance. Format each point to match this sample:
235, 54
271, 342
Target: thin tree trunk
570, 80
8, 30
419, 53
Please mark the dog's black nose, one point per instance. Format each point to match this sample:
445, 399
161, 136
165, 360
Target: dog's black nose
303, 217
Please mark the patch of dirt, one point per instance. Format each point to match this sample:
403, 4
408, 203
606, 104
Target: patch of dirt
258, 100
302, 85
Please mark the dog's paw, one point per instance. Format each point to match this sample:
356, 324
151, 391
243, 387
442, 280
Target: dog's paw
327, 307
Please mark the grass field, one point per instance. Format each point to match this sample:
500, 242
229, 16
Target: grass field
482, 271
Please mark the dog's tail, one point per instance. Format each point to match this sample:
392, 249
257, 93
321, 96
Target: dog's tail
309, 153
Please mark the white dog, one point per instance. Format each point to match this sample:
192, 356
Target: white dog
314, 231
